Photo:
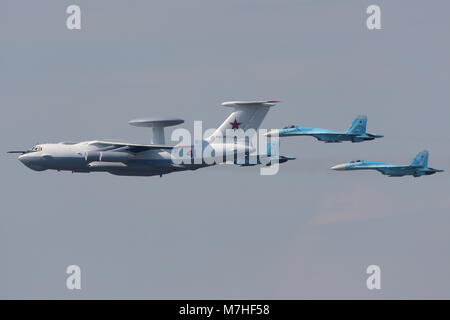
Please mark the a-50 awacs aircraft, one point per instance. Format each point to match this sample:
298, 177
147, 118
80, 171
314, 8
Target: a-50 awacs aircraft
129, 159
356, 133
417, 168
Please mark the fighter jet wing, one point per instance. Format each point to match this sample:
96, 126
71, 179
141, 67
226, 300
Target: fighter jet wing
131, 147
394, 171
329, 136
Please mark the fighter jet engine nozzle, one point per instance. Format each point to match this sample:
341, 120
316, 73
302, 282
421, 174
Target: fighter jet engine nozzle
338, 167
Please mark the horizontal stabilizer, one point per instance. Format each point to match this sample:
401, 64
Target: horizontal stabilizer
245, 115
268, 103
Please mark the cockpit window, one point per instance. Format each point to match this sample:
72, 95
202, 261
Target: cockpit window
289, 127
37, 148
356, 161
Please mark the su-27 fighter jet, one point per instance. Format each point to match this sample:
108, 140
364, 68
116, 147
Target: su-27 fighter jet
127, 159
417, 168
356, 133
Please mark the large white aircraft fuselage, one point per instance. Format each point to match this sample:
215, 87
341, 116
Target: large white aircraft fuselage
157, 158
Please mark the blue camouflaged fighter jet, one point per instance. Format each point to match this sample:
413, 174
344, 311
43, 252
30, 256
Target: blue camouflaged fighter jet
417, 168
356, 133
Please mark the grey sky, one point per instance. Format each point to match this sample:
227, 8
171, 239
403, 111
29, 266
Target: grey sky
226, 232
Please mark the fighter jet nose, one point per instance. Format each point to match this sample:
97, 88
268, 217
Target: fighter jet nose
338, 167
270, 133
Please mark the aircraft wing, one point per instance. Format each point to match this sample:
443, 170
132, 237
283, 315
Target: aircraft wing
330, 136
394, 171
130, 147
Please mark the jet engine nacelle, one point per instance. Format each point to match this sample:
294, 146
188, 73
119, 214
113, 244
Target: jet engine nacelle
108, 156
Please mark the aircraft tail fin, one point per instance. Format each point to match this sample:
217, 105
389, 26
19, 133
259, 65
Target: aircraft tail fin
358, 125
246, 115
421, 160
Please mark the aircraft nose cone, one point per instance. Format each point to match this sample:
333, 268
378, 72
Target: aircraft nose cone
22, 158
31, 162
271, 133
338, 167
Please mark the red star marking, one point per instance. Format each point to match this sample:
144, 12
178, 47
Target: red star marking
235, 124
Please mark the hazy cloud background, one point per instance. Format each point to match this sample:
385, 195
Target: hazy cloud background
226, 232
